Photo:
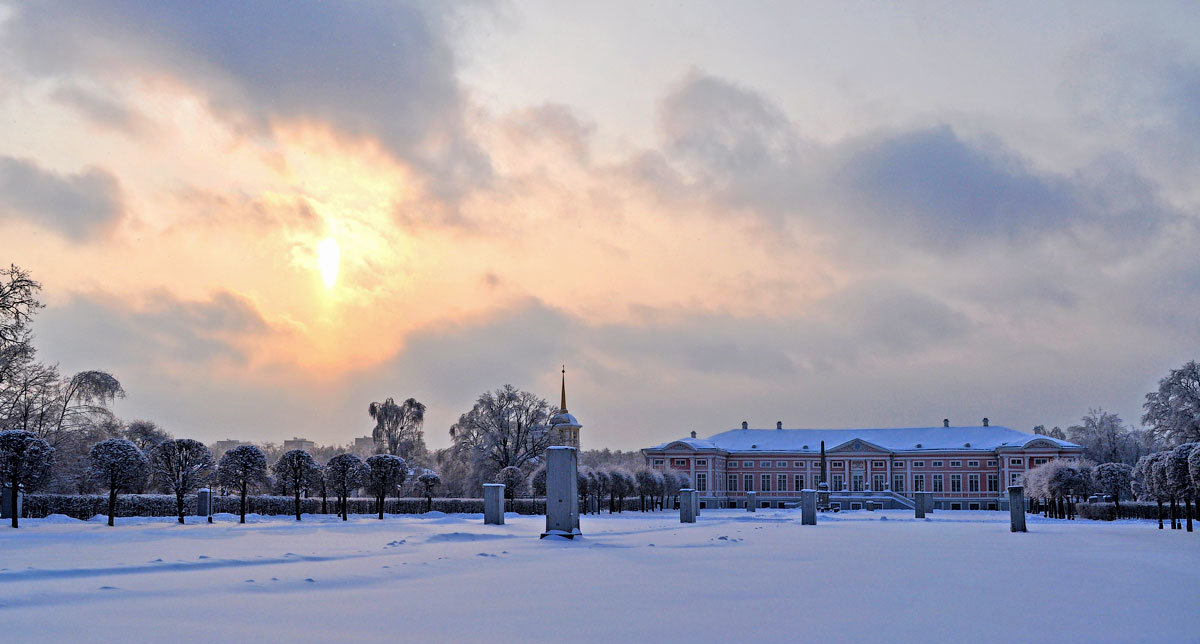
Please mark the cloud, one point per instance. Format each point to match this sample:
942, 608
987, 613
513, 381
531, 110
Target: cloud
375, 70
78, 206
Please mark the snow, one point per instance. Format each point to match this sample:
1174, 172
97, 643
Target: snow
904, 439
631, 577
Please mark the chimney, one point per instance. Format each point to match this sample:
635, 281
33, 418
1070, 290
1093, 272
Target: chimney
745, 425
779, 424
945, 422
693, 433
985, 422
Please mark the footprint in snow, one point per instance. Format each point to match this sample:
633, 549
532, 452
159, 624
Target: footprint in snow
274, 578
108, 588
652, 545
203, 557
310, 580
159, 560
485, 554
723, 538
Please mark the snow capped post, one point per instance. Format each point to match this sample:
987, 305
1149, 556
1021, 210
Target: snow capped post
808, 507
562, 492
919, 505
751, 501
1016, 508
687, 505
924, 500
493, 504
204, 503
695, 502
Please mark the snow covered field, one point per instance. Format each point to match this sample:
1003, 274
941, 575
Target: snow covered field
732, 577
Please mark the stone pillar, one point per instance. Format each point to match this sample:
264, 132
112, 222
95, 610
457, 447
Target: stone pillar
204, 503
6, 502
925, 500
919, 505
1016, 508
696, 503
562, 492
687, 505
751, 501
808, 507
493, 504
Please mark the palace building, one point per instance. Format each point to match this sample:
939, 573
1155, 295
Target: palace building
966, 468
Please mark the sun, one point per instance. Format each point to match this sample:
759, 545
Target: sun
328, 258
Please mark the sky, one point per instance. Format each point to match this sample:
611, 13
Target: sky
849, 214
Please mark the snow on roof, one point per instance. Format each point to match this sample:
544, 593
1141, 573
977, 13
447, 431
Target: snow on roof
892, 439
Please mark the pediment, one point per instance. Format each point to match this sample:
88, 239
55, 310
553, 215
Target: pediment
1040, 443
859, 446
680, 445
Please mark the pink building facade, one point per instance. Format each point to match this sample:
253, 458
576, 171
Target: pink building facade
966, 468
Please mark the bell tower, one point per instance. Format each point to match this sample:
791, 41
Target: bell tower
564, 429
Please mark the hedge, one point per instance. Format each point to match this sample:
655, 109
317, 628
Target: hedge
86, 506
1129, 510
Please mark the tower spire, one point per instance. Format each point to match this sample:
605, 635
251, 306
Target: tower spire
562, 408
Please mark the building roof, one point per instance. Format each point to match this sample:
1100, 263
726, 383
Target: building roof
900, 439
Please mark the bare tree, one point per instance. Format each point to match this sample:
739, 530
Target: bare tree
145, 434
119, 466
429, 482
181, 466
18, 304
398, 427
1173, 412
241, 468
505, 428
25, 461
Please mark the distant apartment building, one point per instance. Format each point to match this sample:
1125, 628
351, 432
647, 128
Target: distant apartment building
364, 445
220, 447
298, 443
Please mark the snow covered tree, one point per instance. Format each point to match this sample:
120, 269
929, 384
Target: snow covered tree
25, 460
385, 474
345, 473
623, 485
398, 427
1194, 470
242, 468
1173, 412
429, 482
294, 471
144, 434
505, 428
537, 481
1114, 479
1179, 481
583, 488
181, 466
118, 465
649, 484
511, 477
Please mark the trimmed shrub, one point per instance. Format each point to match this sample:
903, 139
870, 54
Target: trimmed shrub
1108, 511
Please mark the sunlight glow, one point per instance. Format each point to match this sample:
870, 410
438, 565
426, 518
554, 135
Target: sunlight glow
328, 258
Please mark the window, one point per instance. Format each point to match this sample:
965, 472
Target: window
765, 464
701, 461
878, 481
918, 463
780, 463
972, 482
766, 482
701, 482
898, 464
993, 482
782, 482
732, 480
954, 463
658, 461
937, 483
1015, 462
799, 482
1014, 478
679, 462
747, 463
749, 481
878, 464
733, 465
897, 483
992, 463
956, 482
856, 482
938, 463
1040, 461
918, 482
799, 464
972, 463
838, 482
836, 464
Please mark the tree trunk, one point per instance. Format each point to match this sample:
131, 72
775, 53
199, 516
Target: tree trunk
1174, 514
243, 502
1187, 512
324, 494
379, 502
428, 502
112, 502
1117, 505
1160, 525
345, 505
297, 502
